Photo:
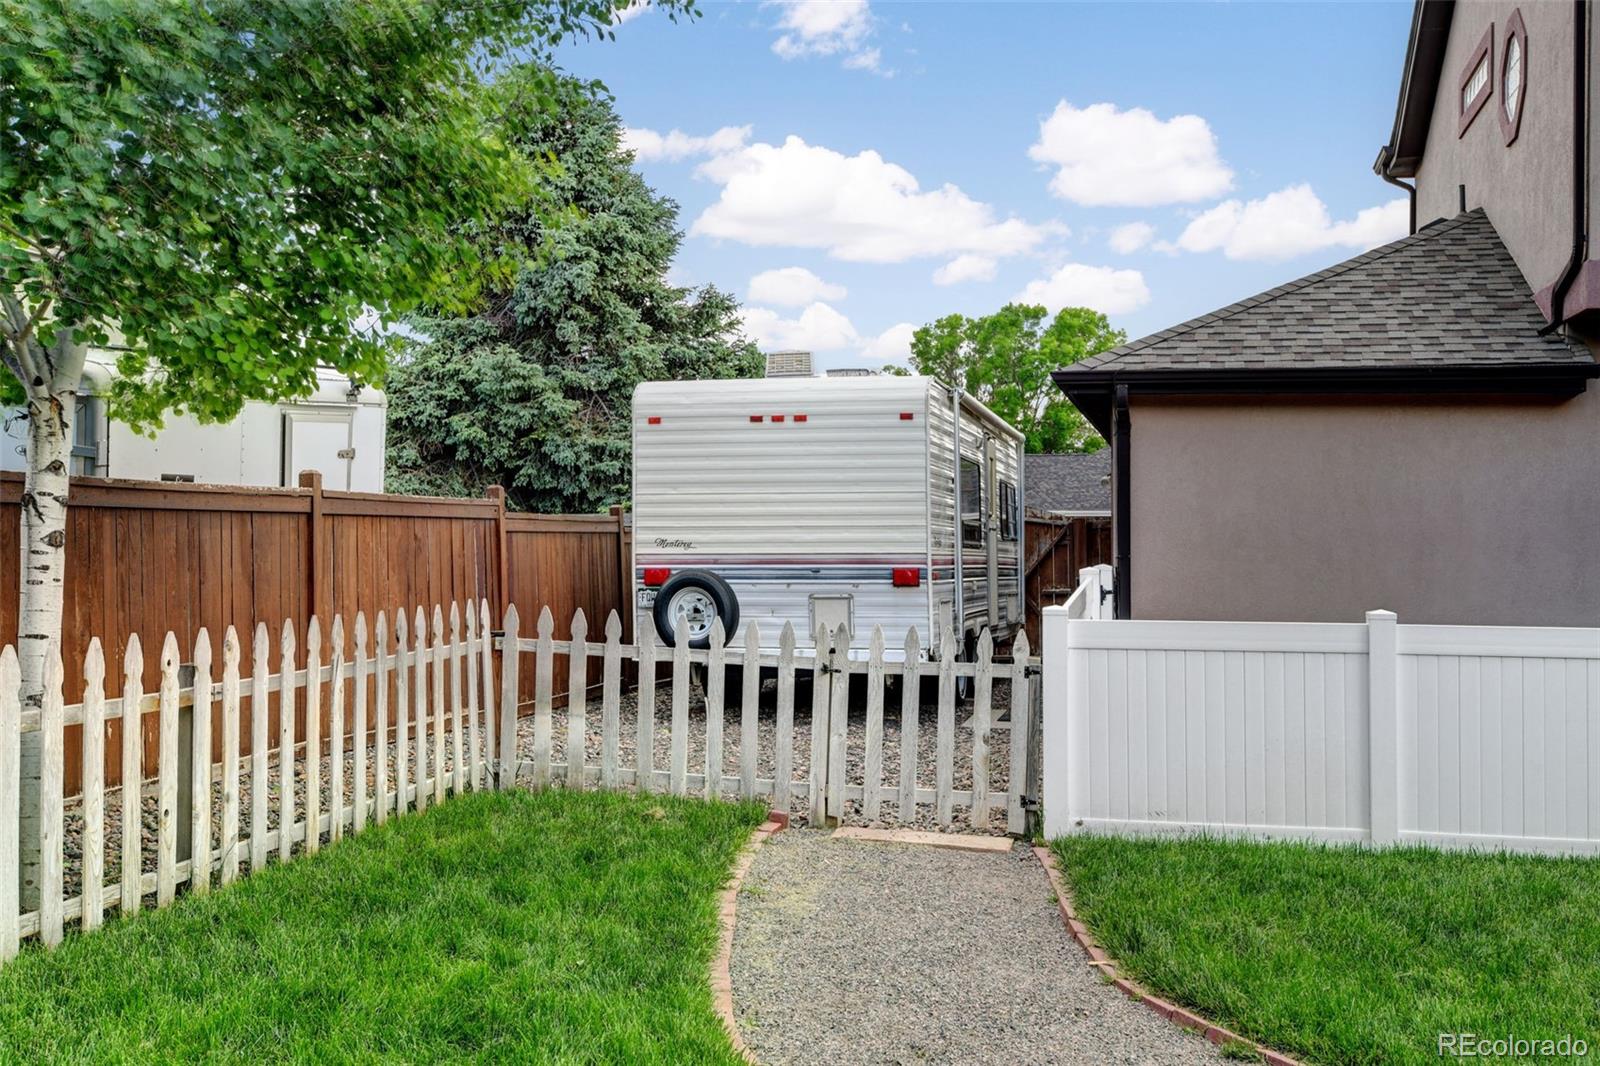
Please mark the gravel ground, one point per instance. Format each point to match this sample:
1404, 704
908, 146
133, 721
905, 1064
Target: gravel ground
858, 952
927, 741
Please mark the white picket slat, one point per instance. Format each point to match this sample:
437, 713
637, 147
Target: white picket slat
543, 685
910, 720
230, 756
440, 711
419, 706
749, 710
783, 724
10, 799
872, 786
508, 700
838, 725
336, 659
261, 667
486, 656
286, 757
680, 710
577, 701
716, 678
645, 713
1021, 728
167, 775
610, 702
94, 789
313, 731
821, 693
358, 729
982, 717
474, 753
383, 663
200, 769
132, 775
52, 782
402, 714
458, 766
944, 753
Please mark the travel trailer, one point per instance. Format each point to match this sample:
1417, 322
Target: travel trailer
825, 501
337, 430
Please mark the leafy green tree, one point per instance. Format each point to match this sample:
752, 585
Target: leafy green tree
1005, 360
224, 187
535, 391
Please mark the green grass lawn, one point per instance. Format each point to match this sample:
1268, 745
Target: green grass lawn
507, 927
1345, 956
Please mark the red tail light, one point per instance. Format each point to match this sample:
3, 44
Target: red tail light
656, 576
907, 577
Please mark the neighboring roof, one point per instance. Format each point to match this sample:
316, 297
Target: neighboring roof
1443, 310
1074, 482
1419, 88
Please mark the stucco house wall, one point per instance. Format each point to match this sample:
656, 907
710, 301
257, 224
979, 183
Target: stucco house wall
1524, 186
1317, 510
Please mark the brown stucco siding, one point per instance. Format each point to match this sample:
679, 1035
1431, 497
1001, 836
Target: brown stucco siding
1479, 513
1524, 187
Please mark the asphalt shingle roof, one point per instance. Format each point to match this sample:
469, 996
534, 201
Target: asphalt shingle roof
1450, 295
1067, 481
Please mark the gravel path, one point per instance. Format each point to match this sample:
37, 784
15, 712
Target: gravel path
858, 952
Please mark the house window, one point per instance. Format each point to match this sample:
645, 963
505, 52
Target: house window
971, 503
1477, 80
1008, 511
85, 437
1513, 76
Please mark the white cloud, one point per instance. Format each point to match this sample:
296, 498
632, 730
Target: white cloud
792, 287
1108, 157
893, 345
860, 208
1129, 238
965, 268
819, 328
629, 13
1290, 222
648, 145
869, 59
828, 28
1104, 289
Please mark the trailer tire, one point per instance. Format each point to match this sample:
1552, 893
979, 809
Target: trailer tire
702, 597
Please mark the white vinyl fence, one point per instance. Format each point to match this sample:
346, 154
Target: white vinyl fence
406, 728
817, 758
1455, 736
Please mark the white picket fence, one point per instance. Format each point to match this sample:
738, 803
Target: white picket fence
831, 768
1455, 736
429, 744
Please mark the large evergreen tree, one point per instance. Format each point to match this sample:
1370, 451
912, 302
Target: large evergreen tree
534, 391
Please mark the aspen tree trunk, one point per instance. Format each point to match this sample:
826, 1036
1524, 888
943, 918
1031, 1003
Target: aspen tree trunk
52, 397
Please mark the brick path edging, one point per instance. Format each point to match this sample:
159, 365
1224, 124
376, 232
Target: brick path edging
1100, 961
728, 908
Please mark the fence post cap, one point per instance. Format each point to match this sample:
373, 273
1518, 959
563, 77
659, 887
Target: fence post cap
1381, 616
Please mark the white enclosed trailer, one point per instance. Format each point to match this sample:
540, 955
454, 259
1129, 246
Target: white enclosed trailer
337, 430
825, 501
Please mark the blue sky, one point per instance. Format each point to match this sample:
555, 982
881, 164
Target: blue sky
854, 168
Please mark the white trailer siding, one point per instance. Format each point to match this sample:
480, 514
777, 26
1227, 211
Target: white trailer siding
784, 510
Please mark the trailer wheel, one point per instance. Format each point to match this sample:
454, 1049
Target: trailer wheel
698, 598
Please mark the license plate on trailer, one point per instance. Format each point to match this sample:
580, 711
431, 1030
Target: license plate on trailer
647, 597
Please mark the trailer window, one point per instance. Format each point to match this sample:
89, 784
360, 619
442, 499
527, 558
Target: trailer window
1008, 511
971, 502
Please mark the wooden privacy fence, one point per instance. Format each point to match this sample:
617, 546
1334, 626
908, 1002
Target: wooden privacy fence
1482, 737
1056, 551
819, 752
147, 558
387, 727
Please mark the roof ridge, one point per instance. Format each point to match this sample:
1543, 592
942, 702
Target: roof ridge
1431, 231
